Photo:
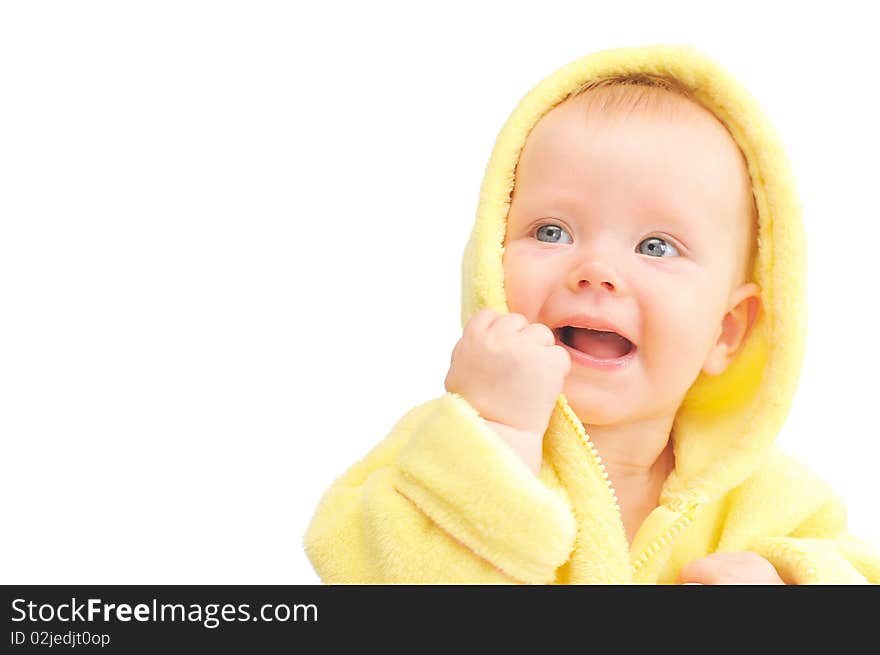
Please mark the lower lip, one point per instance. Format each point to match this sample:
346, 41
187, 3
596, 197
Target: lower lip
584, 359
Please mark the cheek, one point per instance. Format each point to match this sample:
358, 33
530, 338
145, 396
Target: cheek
522, 287
681, 327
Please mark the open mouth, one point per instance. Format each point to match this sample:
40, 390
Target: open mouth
598, 344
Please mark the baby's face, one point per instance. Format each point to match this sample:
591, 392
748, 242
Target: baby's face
638, 221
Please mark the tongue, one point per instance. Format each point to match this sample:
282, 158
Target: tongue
601, 345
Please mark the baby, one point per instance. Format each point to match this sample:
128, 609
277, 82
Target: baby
633, 331
628, 246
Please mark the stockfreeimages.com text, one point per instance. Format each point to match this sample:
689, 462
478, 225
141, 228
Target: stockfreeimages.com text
210, 615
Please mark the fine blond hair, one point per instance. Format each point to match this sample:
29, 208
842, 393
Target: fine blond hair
629, 91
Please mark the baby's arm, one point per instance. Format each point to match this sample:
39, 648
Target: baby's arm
527, 445
441, 500
453, 494
511, 371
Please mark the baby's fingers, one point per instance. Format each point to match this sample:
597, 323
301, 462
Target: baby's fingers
730, 568
540, 334
507, 324
481, 321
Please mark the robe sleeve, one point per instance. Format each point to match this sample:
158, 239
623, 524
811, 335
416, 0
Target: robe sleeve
442, 499
793, 518
822, 551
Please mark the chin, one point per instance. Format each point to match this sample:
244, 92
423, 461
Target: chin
597, 413
595, 405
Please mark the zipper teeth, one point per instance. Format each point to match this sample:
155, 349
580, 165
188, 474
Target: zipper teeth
664, 539
605, 476
687, 514
598, 458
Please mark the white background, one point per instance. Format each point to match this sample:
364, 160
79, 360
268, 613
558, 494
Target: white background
231, 237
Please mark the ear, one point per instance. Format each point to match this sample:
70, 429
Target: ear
745, 303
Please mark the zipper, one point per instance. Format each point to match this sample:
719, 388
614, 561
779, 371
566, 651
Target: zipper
579, 429
677, 526
687, 514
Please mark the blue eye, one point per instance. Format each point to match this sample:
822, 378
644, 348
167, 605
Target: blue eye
554, 232
656, 247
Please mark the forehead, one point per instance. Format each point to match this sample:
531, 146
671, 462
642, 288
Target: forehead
682, 162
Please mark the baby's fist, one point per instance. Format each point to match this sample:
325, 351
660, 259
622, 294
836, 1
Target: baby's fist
511, 371
730, 568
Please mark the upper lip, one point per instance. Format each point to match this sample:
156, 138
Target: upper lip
592, 322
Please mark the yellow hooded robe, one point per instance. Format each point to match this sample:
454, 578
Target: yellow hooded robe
442, 499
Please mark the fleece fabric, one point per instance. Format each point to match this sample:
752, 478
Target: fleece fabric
442, 499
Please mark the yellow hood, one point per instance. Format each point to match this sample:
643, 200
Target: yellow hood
727, 422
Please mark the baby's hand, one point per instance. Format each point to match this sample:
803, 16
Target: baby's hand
730, 568
511, 371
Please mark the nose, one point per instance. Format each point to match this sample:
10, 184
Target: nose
596, 274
